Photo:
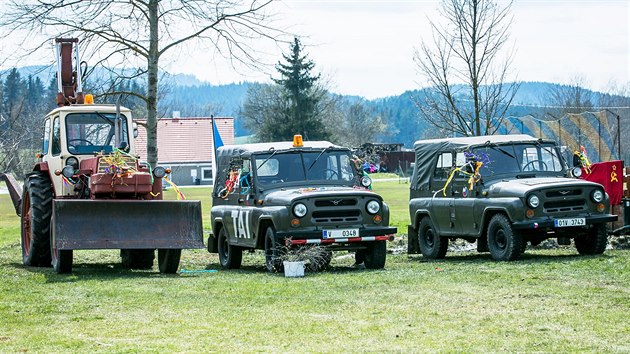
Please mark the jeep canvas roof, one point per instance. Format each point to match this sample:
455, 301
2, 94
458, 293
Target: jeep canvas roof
427, 151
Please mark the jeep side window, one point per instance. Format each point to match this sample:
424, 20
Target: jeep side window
245, 182
443, 166
460, 160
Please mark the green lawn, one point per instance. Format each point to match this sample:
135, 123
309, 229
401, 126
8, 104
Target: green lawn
551, 301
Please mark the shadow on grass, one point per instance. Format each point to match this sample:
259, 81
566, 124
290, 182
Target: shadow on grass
527, 257
91, 271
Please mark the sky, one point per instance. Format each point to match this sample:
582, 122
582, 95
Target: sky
366, 48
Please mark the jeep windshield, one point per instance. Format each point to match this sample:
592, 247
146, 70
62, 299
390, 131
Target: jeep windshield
325, 166
519, 160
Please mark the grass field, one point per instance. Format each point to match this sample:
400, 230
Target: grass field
551, 301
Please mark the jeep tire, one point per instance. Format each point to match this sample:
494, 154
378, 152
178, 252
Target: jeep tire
594, 241
36, 211
230, 256
504, 243
431, 245
273, 251
375, 255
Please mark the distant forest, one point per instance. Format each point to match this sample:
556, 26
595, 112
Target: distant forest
192, 98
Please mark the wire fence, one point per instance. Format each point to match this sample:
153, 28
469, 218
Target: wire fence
598, 132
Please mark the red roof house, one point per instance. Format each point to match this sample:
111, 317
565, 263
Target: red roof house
185, 145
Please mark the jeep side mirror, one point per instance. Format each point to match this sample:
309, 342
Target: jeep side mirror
576, 161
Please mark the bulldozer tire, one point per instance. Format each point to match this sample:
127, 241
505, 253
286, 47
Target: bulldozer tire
230, 256
168, 260
62, 261
36, 211
137, 259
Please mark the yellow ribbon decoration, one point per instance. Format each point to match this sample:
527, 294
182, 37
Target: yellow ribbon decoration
473, 176
180, 195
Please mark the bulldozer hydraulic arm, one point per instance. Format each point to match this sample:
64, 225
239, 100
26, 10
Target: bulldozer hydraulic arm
15, 191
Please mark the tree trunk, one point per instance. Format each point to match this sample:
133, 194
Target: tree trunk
152, 84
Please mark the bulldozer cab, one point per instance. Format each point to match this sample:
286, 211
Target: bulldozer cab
83, 131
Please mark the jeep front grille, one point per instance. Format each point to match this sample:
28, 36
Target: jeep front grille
341, 210
565, 200
563, 193
329, 216
335, 202
565, 205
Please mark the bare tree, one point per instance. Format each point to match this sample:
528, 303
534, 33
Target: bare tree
468, 93
357, 125
142, 31
571, 98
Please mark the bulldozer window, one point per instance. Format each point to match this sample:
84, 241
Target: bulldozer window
46, 136
56, 137
93, 132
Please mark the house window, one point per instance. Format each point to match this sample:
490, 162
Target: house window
206, 174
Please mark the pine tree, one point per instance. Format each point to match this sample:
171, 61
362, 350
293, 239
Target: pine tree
301, 97
13, 94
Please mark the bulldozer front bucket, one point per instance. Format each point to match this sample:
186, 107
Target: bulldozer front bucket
116, 224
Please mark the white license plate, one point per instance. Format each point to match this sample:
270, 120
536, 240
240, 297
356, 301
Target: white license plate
569, 222
341, 233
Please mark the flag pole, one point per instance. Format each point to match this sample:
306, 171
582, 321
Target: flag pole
214, 151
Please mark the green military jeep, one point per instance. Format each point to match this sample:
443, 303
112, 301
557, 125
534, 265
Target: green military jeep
284, 195
502, 191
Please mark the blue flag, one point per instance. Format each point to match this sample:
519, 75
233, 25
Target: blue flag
217, 142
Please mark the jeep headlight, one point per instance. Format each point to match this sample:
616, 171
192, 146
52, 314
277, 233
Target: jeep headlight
576, 172
366, 181
533, 201
597, 196
299, 210
373, 207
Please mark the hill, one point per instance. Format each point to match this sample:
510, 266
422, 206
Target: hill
192, 97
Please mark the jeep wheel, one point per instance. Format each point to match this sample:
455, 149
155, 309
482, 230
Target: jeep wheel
592, 242
504, 243
230, 256
431, 245
375, 255
273, 250
36, 211
168, 260
137, 258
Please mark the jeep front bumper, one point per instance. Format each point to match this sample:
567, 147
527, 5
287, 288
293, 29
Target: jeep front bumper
316, 237
545, 223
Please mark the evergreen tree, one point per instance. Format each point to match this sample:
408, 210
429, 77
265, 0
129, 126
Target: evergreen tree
296, 104
13, 94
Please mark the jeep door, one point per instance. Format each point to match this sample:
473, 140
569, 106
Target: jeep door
442, 206
238, 221
464, 196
